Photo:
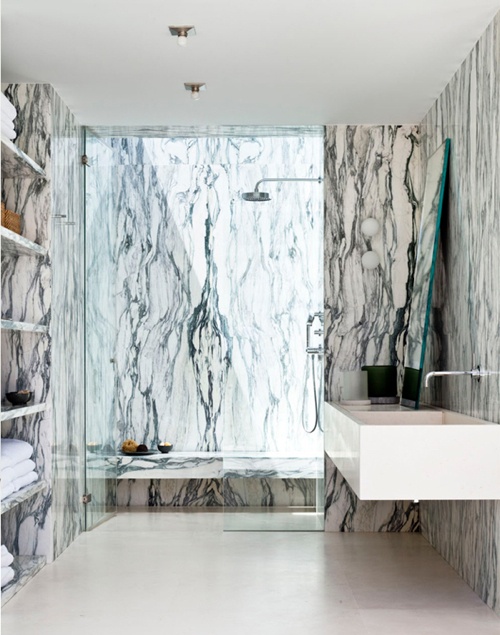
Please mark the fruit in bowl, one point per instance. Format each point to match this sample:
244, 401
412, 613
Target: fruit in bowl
165, 447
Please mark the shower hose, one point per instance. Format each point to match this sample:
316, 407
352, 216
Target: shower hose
317, 422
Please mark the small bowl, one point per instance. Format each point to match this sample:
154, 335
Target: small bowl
19, 398
165, 448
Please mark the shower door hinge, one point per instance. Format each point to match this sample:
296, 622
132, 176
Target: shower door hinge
86, 498
85, 160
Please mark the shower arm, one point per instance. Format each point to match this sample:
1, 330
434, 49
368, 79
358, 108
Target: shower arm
319, 179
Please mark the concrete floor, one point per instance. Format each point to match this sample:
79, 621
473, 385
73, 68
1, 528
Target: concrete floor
178, 572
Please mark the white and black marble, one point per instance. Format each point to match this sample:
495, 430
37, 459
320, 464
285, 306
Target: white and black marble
466, 299
26, 297
370, 172
212, 293
25, 568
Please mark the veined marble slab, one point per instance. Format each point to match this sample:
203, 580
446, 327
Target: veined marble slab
15, 163
13, 412
11, 325
16, 245
22, 495
25, 567
208, 465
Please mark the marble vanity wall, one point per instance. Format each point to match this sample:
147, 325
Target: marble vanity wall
370, 171
51, 291
466, 301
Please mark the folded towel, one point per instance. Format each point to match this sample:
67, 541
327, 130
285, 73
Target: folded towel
7, 107
8, 475
7, 490
16, 450
22, 481
7, 124
7, 575
22, 468
7, 557
8, 132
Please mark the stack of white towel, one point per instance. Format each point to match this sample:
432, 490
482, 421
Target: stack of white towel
18, 470
7, 570
9, 113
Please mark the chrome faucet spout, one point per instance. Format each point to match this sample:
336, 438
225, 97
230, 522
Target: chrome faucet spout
474, 372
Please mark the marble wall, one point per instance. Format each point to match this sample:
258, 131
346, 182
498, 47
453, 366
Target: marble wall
213, 293
370, 171
49, 291
466, 301
27, 296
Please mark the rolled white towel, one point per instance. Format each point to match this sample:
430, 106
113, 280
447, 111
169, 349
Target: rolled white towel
8, 132
8, 475
7, 557
8, 108
22, 468
7, 575
16, 450
7, 490
22, 481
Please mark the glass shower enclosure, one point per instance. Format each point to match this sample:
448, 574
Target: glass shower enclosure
199, 303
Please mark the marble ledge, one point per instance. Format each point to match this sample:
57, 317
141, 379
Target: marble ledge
197, 465
23, 495
12, 325
17, 164
25, 567
16, 245
13, 412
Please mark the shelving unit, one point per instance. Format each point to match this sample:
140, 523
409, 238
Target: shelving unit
17, 165
11, 325
15, 245
26, 568
13, 412
23, 495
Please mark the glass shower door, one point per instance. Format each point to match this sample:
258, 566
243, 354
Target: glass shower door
100, 335
273, 450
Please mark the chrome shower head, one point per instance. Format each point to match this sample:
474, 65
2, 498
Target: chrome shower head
259, 197
256, 197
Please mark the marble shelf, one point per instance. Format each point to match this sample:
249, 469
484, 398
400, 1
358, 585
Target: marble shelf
12, 325
15, 245
23, 495
186, 465
15, 163
13, 412
26, 568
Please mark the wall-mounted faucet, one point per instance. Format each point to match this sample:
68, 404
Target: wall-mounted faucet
474, 372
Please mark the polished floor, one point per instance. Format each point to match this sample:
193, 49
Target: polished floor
178, 572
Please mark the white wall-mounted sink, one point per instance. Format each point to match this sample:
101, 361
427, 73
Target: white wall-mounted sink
394, 453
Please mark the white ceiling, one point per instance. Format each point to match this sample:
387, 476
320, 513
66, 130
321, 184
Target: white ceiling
272, 62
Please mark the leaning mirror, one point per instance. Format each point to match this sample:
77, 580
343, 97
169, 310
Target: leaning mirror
435, 181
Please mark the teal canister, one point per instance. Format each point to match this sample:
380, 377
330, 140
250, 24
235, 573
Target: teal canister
382, 381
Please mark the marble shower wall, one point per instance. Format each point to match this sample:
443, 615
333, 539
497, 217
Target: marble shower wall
213, 293
49, 291
466, 300
370, 171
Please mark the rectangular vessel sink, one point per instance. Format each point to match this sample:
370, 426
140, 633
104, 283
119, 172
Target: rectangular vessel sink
394, 453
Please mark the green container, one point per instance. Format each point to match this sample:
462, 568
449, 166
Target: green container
382, 381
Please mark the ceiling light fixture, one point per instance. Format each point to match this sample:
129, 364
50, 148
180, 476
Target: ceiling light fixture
181, 33
195, 88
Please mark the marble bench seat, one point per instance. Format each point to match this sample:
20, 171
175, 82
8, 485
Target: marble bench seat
217, 465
